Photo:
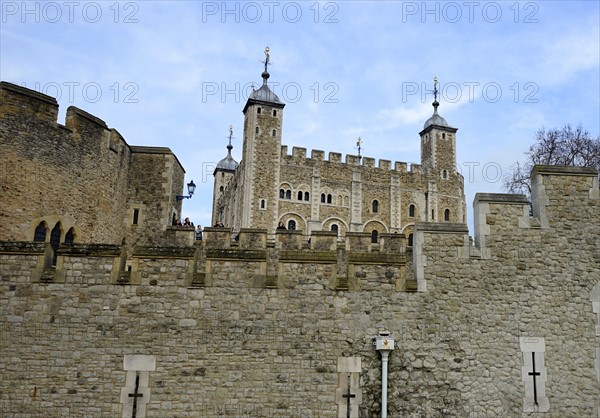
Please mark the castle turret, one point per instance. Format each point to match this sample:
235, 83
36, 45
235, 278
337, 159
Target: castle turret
263, 117
223, 173
438, 142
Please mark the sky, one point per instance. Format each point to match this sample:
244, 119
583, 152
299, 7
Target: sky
178, 73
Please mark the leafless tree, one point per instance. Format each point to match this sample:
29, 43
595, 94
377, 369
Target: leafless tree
558, 146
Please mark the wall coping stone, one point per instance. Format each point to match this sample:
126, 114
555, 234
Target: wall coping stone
94, 250
163, 252
446, 227
505, 198
563, 170
5, 85
22, 247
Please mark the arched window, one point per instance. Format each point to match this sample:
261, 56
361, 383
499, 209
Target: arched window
288, 194
334, 228
70, 236
274, 132
306, 196
281, 193
443, 135
447, 215
262, 203
410, 240
55, 241
375, 206
256, 130
374, 236
445, 174
299, 195
258, 110
291, 225
40, 233
411, 211
274, 112
221, 188
322, 197
329, 198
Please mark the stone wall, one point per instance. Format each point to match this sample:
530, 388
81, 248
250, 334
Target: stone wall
251, 327
82, 176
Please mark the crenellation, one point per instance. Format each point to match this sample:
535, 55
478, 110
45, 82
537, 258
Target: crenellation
385, 164
252, 238
317, 154
368, 162
334, 157
77, 117
400, 166
323, 240
352, 159
299, 152
290, 239
416, 169
358, 242
21, 101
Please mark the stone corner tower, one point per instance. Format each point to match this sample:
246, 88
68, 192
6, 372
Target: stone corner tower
261, 156
438, 142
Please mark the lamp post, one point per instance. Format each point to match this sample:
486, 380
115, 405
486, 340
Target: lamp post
191, 189
385, 345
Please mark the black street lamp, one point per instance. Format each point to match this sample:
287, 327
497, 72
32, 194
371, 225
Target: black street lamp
191, 189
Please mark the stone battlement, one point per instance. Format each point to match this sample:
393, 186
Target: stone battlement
299, 156
73, 159
503, 225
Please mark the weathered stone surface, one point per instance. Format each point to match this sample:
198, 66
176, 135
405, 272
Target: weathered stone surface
277, 351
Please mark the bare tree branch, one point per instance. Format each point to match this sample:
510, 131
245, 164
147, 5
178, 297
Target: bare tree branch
557, 146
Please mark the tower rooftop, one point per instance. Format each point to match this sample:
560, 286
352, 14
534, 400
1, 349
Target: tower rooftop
264, 93
227, 163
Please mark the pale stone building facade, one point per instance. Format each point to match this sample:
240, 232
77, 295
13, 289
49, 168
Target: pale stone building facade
314, 193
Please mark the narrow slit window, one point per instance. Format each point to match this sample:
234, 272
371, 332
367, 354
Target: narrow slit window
374, 236
136, 216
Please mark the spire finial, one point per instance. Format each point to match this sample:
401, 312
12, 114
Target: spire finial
435, 94
265, 75
358, 146
230, 147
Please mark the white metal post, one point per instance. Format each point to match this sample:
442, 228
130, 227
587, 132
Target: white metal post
385, 345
